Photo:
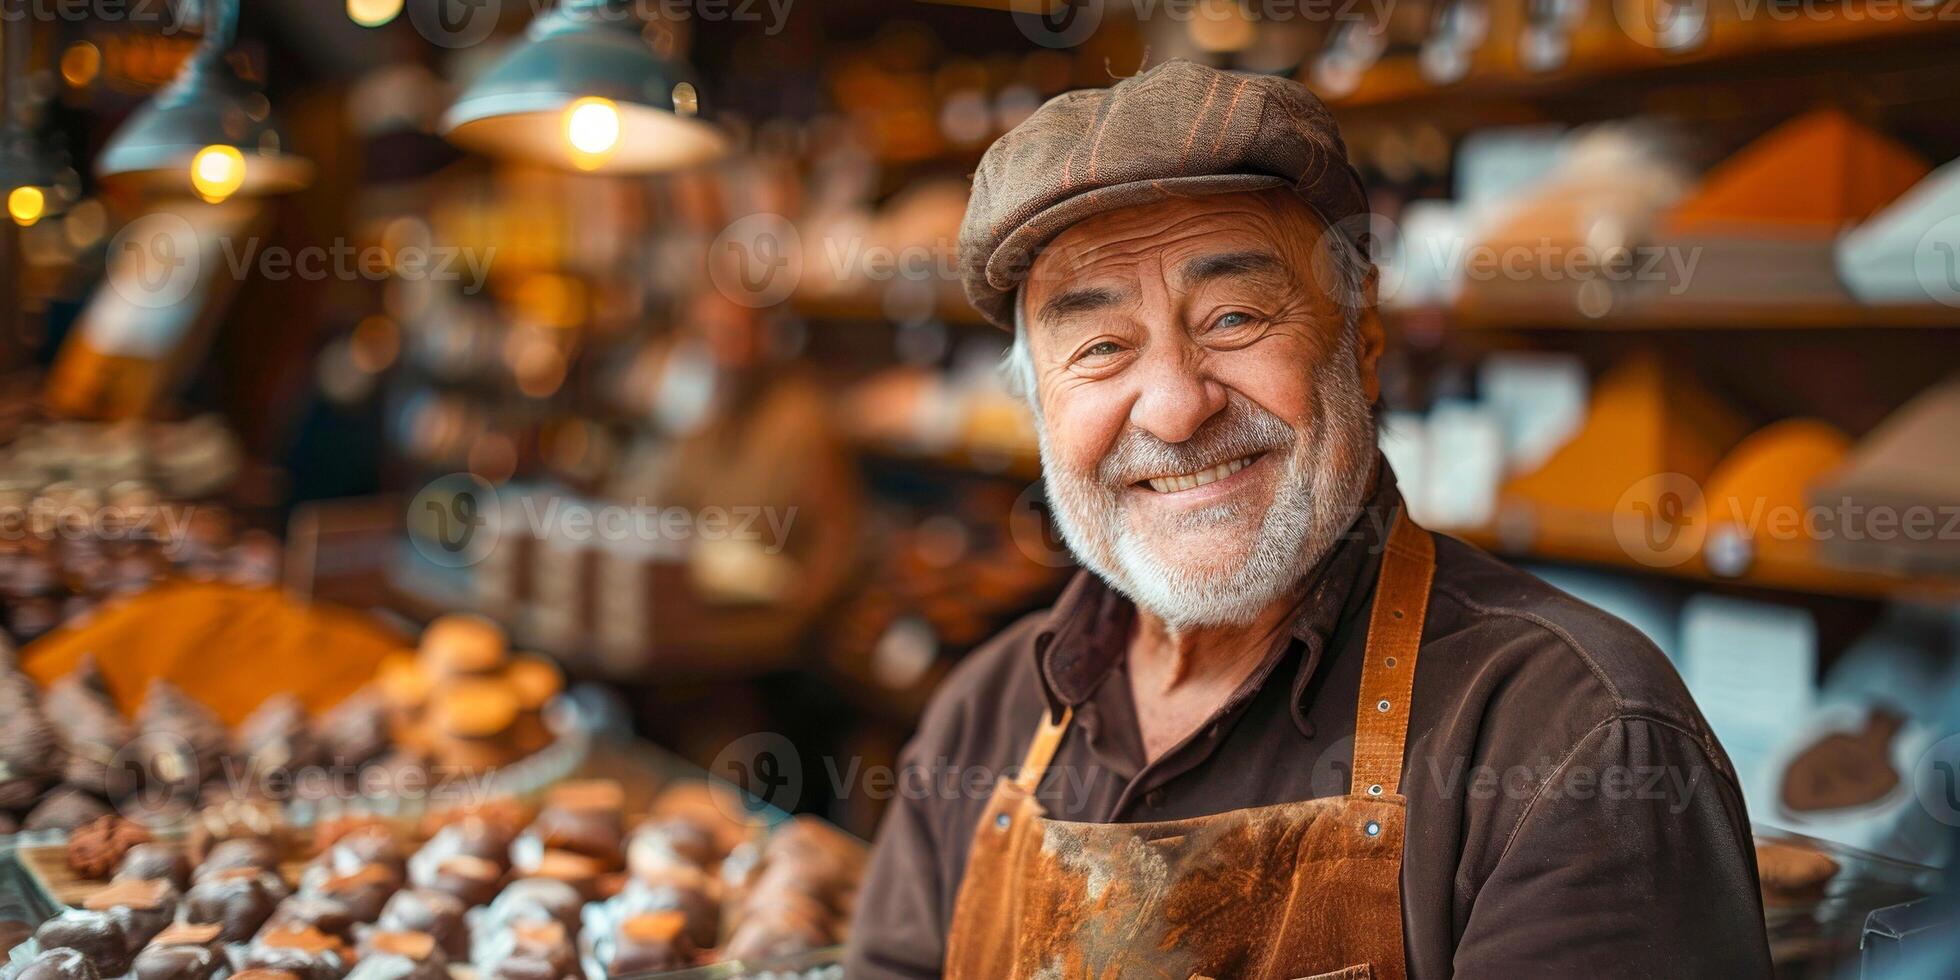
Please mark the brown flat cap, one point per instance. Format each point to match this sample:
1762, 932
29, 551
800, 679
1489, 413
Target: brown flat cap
1176, 130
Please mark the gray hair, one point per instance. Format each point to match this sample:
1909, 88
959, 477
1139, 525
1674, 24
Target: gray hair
1351, 268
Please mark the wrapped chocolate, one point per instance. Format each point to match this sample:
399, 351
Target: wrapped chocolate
89, 727
31, 756
65, 808
438, 914
276, 737
97, 935
58, 964
353, 732
183, 742
164, 861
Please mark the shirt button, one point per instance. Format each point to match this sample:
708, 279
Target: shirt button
1154, 798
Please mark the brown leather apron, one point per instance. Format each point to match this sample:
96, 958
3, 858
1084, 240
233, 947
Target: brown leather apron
1307, 889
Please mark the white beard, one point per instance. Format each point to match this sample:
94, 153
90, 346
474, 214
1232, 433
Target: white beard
1324, 475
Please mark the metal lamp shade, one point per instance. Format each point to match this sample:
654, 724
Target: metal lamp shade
516, 109
201, 108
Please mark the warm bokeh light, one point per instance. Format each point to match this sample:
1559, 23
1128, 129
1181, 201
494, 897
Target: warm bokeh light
592, 130
217, 172
80, 63
373, 13
26, 205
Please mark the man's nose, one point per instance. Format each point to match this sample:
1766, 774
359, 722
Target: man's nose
1176, 395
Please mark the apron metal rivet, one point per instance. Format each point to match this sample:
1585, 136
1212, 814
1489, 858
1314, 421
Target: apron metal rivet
1373, 829
1002, 821
1388, 662
1381, 705
1375, 790
1398, 614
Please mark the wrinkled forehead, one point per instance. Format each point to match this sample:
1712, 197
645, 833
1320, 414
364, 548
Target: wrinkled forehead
1173, 239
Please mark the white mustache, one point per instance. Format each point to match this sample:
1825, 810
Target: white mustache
1242, 429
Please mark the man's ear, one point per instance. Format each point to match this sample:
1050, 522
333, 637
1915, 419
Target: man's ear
1371, 337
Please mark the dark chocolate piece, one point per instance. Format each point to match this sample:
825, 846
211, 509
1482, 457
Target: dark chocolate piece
472, 879
65, 808
536, 899
161, 861
143, 907
97, 935
59, 964
438, 914
307, 953
30, 749
90, 728
311, 911
276, 736
239, 852
174, 723
177, 962
239, 900
649, 942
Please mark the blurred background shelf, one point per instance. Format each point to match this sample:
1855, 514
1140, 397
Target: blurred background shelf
1666, 315
1769, 570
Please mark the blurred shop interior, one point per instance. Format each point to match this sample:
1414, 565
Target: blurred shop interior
365, 332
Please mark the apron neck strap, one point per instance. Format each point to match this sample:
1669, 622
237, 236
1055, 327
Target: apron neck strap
1388, 669
1041, 751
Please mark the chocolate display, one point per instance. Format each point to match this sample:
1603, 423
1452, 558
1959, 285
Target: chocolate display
312, 911
30, 751
239, 900
362, 891
437, 914
535, 900
239, 852
65, 808
59, 964
143, 907
353, 732
177, 962
473, 880
306, 953
88, 725
99, 936
173, 721
276, 735
649, 942
96, 849
156, 860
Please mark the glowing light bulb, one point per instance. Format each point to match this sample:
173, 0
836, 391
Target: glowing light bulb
373, 13
592, 129
26, 204
217, 172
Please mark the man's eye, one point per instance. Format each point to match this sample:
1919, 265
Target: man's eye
1102, 349
1233, 319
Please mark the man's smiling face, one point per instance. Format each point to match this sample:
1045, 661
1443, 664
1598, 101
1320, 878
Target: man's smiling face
1203, 379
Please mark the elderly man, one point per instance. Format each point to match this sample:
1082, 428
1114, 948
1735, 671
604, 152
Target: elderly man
1274, 729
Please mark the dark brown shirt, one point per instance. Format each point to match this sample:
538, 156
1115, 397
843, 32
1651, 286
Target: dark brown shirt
1570, 813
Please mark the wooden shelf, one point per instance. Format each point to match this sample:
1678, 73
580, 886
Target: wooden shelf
1775, 570
867, 306
1737, 35
1685, 316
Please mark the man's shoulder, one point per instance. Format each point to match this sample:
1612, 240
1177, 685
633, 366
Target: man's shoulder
1538, 639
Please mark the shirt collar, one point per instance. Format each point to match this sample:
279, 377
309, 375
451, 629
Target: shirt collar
1087, 630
